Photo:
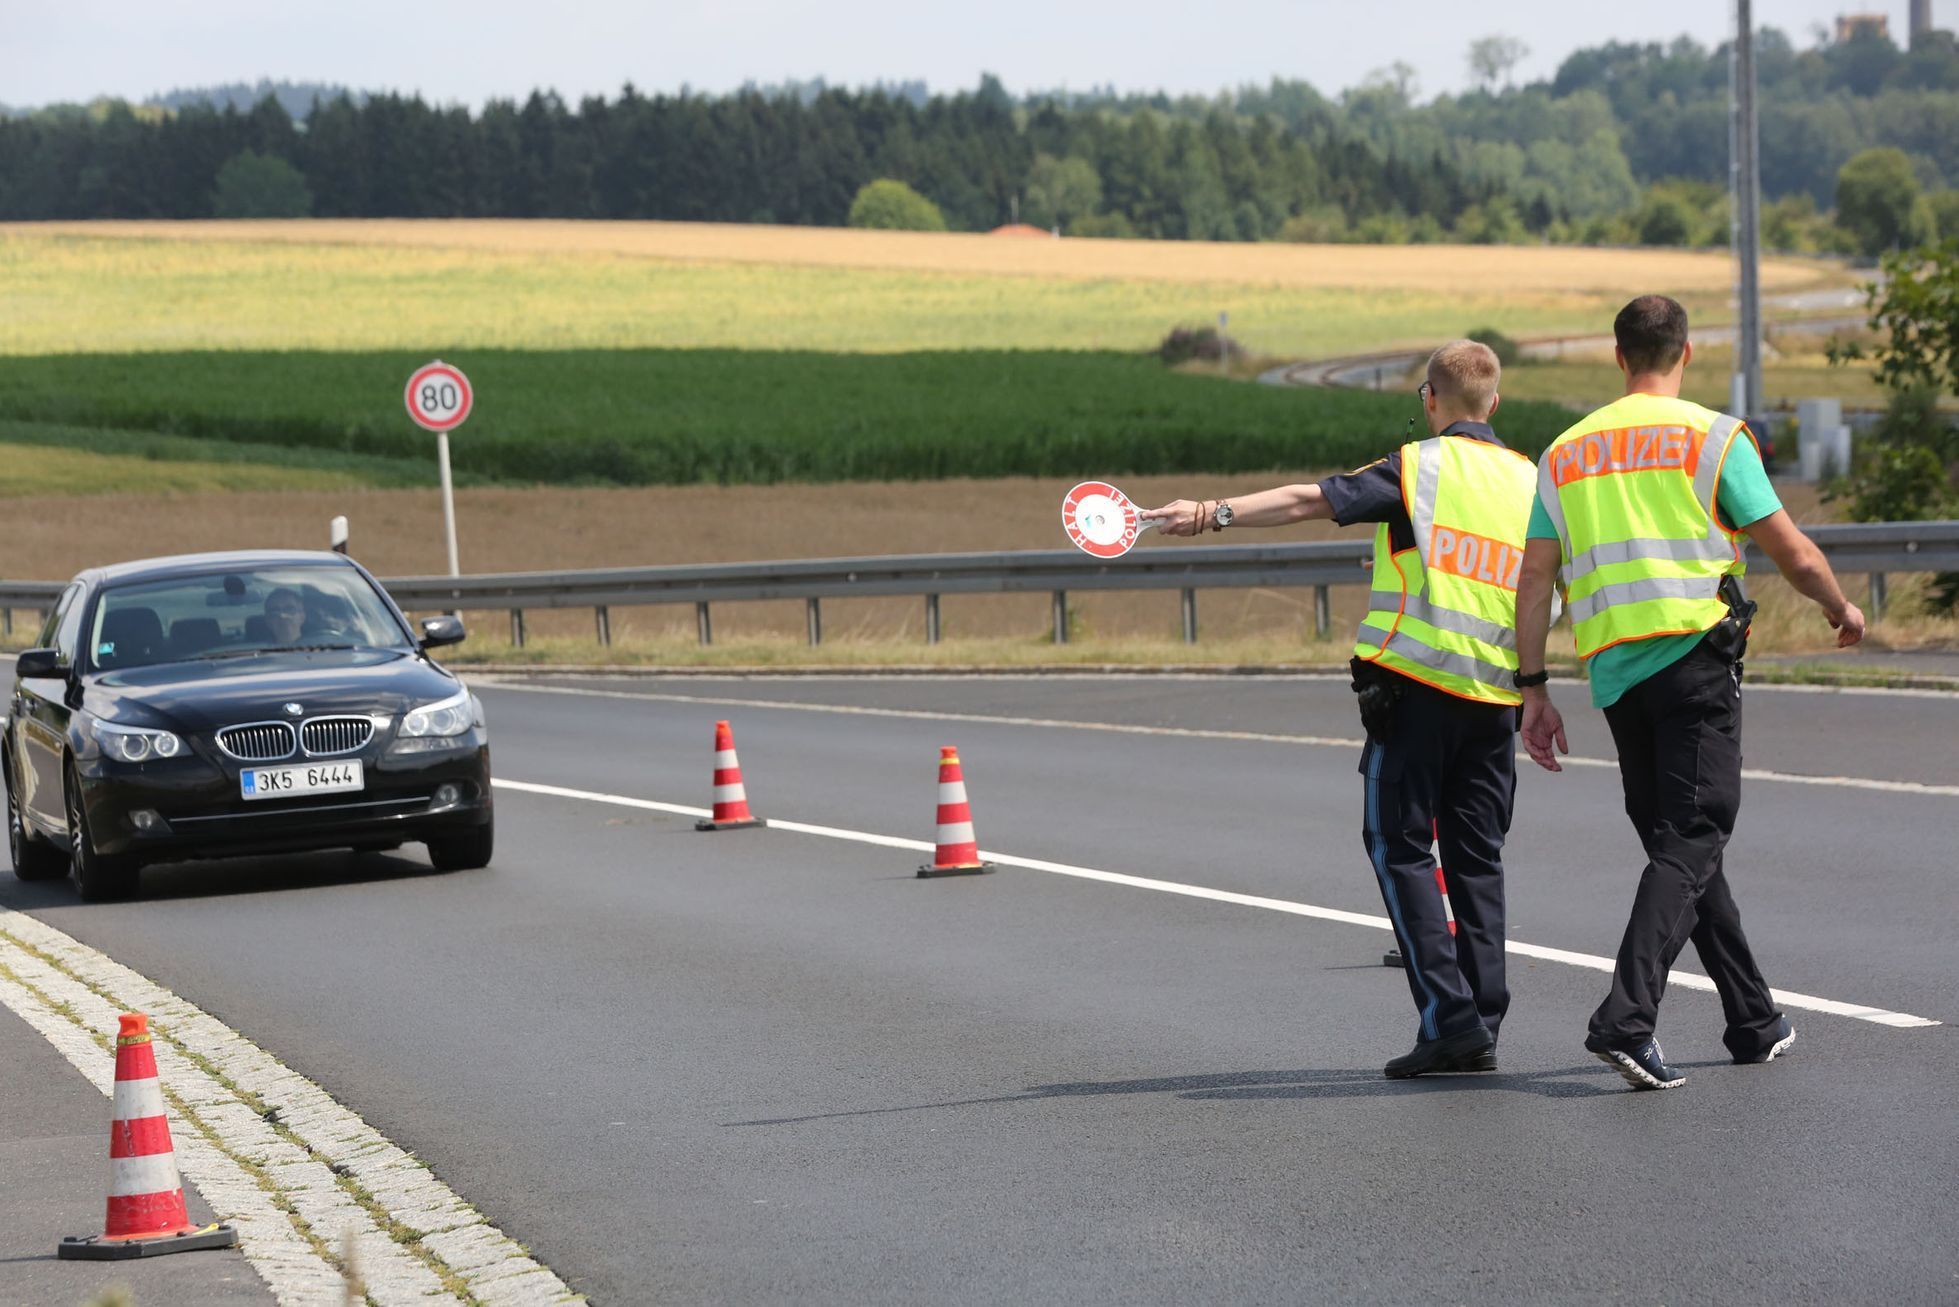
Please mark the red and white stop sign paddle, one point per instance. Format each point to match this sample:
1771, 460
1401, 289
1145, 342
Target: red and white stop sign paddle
1100, 519
438, 396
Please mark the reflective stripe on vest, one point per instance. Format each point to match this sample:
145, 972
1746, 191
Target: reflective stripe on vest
1445, 612
1633, 491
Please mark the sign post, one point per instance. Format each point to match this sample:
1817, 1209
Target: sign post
439, 398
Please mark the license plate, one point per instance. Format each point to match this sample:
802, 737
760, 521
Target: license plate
283, 782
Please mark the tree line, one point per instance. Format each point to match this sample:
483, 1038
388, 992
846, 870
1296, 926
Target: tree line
744, 157
1626, 143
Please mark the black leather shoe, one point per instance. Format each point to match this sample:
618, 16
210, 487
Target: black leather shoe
1785, 1036
1643, 1066
1450, 1053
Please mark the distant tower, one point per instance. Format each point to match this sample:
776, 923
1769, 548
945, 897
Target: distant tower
1921, 21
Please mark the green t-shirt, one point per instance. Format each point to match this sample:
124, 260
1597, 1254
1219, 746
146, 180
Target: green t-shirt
1745, 497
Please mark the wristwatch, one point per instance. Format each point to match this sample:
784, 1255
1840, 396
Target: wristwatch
1222, 515
1535, 678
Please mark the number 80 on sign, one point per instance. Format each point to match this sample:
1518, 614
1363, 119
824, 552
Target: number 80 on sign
438, 396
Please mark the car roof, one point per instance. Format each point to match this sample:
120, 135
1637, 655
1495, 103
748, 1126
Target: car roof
154, 569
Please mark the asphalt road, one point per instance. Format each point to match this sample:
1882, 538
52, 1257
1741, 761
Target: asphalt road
766, 1067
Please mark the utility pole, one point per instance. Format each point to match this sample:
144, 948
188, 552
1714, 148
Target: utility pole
1745, 189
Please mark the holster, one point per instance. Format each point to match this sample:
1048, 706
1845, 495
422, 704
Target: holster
1729, 637
1378, 691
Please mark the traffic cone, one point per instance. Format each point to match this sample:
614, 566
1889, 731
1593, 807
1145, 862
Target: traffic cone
730, 795
957, 851
146, 1215
1392, 958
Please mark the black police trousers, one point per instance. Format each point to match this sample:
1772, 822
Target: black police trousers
1445, 775
1679, 739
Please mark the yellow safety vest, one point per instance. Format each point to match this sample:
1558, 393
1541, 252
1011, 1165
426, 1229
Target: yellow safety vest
1633, 491
1445, 612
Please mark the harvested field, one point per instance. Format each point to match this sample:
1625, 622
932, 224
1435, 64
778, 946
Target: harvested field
1506, 269
442, 286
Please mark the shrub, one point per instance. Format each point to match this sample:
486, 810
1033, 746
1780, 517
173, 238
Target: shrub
1186, 343
1505, 349
893, 206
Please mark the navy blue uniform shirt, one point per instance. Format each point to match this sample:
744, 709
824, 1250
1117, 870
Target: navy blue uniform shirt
1373, 493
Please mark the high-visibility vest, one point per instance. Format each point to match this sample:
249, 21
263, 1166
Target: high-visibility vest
1633, 491
1445, 612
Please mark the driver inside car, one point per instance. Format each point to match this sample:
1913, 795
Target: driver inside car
285, 616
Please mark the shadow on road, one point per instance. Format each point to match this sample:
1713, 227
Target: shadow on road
1367, 1083
229, 876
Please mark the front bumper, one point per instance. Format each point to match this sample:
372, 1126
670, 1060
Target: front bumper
201, 812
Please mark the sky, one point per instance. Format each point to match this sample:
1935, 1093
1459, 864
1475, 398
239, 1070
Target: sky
467, 51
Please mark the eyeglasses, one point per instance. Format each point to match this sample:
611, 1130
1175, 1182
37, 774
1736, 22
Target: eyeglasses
283, 611
1423, 391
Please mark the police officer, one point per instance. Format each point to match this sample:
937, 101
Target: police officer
1641, 511
1434, 663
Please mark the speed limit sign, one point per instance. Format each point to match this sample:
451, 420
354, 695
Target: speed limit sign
439, 396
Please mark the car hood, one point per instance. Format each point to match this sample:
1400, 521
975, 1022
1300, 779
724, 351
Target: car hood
202, 696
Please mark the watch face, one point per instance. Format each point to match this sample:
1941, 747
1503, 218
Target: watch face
1225, 514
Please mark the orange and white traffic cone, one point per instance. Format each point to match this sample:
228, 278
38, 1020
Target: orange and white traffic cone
730, 795
957, 848
1392, 958
146, 1215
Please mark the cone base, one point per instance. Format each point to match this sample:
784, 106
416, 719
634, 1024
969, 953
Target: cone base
98, 1248
1392, 958
956, 869
743, 823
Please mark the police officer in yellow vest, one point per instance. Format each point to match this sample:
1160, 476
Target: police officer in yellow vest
1641, 511
1435, 663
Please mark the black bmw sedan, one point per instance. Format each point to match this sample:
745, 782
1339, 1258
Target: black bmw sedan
217, 704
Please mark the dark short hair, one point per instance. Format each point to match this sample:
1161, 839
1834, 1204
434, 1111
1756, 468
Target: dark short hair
1652, 333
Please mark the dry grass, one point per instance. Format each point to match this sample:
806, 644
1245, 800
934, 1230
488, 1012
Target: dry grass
1522, 270
399, 532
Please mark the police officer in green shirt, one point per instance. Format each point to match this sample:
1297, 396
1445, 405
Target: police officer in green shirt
1642, 513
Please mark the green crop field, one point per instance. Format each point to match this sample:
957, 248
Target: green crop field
646, 416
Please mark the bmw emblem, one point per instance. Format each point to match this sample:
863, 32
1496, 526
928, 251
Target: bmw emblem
294, 709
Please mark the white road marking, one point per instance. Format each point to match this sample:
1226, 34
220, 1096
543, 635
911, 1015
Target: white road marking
271, 1152
1589, 961
1182, 732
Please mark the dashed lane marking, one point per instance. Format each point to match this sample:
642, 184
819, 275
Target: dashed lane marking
301, 1178
1589, 961
1179, 732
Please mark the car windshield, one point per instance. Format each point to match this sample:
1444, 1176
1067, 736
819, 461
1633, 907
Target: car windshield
237, 613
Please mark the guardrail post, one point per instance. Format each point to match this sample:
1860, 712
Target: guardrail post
1061, 617
1190, 615
6, 621
1880, 591
931, 619
604, 616
517, 628
703, 622
814, 607
1322, 611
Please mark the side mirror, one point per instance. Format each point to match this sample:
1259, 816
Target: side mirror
38, 663
438, 631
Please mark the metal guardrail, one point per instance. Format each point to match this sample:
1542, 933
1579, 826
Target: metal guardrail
1877, 549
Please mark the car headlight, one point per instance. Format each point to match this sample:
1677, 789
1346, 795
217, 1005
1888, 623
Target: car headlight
134, 744
451, 716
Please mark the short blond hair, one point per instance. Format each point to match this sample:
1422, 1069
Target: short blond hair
1463, 377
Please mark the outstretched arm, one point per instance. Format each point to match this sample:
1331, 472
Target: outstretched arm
1280, 506
1803, 566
